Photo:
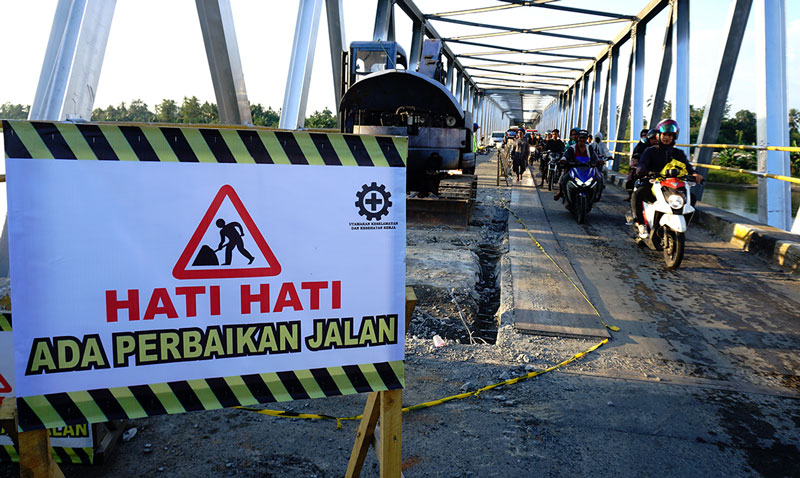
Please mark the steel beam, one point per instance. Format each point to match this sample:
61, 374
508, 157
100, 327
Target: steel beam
512, 31
459, 85
680, 107
596, 102
415, 14
664, 73
297, 82
624, 113
417, 37
338, 44
608, 118
222, 50
391, 35
503, 74
448, 83
573, 9
73, 60
774, 196
585, 113
527, 63
506, 49
637, 117
718, 96
383, 20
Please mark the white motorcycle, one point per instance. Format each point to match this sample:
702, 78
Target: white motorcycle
666, 218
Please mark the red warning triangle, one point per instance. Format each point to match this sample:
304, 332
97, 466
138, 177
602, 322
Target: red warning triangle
180, 270
4, 385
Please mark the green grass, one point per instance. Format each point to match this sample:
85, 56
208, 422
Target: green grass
730, 177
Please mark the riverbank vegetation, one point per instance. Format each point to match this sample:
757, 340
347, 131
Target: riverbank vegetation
190, 111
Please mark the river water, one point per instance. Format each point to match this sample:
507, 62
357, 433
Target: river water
740, 200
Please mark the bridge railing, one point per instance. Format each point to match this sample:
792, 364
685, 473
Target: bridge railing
790, 149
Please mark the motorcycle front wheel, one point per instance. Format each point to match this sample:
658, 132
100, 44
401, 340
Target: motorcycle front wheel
551, 180
581, 209
673, 245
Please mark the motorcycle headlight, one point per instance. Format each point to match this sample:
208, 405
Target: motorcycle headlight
675, 201
589, 182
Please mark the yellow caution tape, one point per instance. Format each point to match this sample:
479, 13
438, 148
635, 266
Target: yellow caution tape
461, 396
432, 403
287, 414
747, 171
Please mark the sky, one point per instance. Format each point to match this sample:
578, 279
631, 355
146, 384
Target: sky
155, 49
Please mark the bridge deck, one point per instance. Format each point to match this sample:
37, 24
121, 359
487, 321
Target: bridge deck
724, 319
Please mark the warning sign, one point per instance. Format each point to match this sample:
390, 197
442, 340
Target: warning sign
6, 365
205, 259
222, 273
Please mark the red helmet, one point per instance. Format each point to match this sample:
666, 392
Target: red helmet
669, 126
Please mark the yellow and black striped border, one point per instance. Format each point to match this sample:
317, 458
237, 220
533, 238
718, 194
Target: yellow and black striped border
109, 142
103, 405
78, 456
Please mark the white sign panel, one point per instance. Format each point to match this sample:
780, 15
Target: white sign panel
127, 272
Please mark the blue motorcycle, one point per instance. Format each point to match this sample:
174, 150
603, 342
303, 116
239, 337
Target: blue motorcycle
584, 188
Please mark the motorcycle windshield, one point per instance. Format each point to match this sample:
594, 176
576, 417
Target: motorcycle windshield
582, 173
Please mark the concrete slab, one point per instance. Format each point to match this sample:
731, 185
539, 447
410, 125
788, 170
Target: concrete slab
545, 301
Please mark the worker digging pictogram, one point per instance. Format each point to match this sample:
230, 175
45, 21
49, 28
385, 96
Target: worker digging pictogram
233, 236
373, 201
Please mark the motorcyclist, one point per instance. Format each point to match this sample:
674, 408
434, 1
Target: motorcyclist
579, 150
656, 160
600, 148
650, 139
553, 144
573, 139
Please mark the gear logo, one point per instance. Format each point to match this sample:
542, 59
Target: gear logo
373, 201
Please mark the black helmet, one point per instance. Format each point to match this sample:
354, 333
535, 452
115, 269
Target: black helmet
583, 132
652, 133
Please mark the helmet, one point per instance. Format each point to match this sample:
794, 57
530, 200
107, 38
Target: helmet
475, 126
652, 133
668, 126
583, 132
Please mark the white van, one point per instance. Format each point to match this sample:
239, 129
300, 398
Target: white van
497, 138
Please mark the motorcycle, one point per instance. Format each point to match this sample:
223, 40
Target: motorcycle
553, 169
584, 187
665, 218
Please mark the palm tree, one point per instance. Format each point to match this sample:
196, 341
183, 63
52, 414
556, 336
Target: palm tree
794, 120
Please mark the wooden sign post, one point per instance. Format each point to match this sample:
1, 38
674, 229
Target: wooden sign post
388, 406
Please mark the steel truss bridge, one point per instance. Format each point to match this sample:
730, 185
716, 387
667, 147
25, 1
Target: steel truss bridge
570, 79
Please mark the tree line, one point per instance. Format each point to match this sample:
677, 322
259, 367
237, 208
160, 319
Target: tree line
190, 111
737, 129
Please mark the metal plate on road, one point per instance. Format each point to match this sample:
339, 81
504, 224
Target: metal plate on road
545, 301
